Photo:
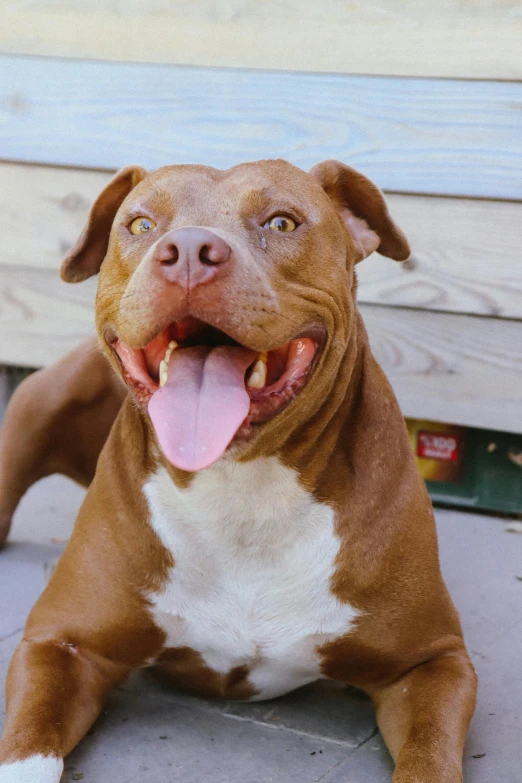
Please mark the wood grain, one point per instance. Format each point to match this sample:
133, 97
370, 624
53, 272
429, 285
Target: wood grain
466, 254
452, 368
459, 369
466, 258
391, 37
41, 318
43, 211
409, 135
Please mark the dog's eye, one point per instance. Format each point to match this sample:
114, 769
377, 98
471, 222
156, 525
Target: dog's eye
141, 225
280, 223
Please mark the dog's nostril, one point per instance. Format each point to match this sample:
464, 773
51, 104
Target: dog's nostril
214, 253
170, 257
205, 255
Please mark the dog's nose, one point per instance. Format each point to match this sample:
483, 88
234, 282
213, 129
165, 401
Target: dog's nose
190, 256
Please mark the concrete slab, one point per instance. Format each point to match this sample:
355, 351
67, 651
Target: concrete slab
23, 570
7, 648
371, 763
282, 740
47, 512
322, 711
494, 748
481, 562
143, 738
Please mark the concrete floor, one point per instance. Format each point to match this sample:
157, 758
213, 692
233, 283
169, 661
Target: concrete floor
320, 733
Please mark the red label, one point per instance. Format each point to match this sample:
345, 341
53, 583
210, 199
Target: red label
438, 445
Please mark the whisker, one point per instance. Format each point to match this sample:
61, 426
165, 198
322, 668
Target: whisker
280, 315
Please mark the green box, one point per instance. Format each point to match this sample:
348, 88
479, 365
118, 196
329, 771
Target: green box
486, 469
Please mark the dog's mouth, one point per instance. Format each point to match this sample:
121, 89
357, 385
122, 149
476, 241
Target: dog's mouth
202, 389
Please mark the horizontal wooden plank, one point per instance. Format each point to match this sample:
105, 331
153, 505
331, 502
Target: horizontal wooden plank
43, 211
41, 318
452, 368
466, 254
400, 37
409, 135
466, 258
460, 369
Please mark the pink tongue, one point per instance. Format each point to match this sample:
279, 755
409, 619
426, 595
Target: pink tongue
202, 405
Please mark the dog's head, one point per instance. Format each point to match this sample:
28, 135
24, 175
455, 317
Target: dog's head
226, 299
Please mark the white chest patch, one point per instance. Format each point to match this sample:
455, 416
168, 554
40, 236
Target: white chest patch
254, 555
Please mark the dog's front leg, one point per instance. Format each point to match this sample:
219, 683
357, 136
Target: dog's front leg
55, 691
424, 718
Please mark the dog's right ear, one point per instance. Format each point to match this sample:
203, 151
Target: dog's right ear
85, 258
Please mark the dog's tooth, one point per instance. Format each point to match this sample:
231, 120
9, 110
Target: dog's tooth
163, 372
164, 364
255, 381
257, 377
168, 353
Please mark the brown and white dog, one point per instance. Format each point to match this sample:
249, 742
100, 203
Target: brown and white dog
256, 520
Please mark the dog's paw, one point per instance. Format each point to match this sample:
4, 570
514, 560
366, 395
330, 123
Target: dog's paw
35, 769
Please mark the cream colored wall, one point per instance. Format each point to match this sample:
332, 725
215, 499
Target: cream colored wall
450, 38
447, 327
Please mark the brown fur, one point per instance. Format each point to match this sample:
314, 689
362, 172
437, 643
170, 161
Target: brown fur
188, 671
344, 434
57, 422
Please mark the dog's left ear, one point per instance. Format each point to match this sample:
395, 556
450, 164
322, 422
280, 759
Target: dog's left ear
363, 210
85, 257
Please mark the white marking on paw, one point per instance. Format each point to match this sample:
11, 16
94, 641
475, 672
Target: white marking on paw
35, 769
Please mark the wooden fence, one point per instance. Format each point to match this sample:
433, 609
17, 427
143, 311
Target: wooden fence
447, 325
